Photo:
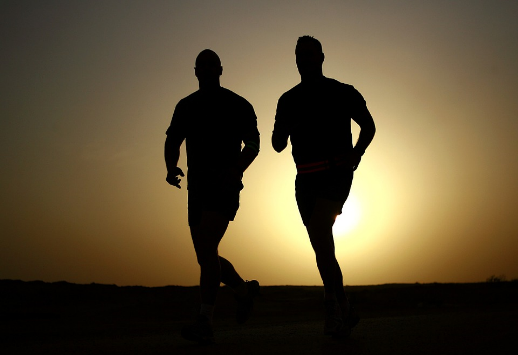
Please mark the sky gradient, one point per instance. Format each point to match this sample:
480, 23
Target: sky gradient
88, 89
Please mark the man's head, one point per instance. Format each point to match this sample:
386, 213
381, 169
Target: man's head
309, 56
208, 67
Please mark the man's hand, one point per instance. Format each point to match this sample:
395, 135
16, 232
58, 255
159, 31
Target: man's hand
354, 159
172, 177
231, 178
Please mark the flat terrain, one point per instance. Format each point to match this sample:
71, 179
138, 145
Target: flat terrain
64, 318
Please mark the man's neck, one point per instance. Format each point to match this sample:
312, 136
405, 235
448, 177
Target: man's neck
209, 86
311, 79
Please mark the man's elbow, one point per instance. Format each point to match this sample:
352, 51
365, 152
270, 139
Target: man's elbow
278, 144
373, 129
369, 127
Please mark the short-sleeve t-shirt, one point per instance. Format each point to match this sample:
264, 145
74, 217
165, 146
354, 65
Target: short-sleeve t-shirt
214, 125
317, 117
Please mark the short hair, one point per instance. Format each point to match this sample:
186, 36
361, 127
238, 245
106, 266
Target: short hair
312, 40
208, 53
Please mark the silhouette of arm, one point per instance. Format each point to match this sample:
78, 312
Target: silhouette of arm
249, 136
171, 155
172, 152
279, 141
249, 153
175, 136
367, 131
280, 132
233, 175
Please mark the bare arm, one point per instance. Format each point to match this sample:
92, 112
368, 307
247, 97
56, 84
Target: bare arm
280, 132
279, 141
247, 156
171, 155
249, 153
367, 132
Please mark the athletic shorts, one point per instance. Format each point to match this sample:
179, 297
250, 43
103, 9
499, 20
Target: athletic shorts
223, 201
332, 184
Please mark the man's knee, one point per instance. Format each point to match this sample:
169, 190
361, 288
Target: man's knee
323, 246
320, 230
206, 251
206, 258
317, 228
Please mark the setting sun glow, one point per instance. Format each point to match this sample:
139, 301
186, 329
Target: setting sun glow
88, 90
349, 219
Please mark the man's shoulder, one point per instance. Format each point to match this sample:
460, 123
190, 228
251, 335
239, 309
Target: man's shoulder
328, 83
189, 99
293, 92
237, 102
338, 84
343, 89
233, 96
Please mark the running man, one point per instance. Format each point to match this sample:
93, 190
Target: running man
316, 116
214, 122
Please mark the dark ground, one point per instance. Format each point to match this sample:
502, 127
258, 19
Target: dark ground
64, 318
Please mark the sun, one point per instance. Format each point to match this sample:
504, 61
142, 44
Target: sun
350, 217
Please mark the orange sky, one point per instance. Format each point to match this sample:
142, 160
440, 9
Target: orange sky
88, 89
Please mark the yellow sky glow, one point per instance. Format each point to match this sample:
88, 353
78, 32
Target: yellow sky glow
88, 90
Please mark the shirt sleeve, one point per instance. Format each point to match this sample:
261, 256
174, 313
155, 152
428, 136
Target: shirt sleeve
178, 127
358, 103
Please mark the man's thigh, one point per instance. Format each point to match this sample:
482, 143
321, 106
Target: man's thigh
324, 214
224, 203
208, 233
322, 192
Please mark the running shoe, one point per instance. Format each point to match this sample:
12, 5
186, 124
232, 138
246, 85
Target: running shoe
333, 317
246, 303
200, 332
350, 320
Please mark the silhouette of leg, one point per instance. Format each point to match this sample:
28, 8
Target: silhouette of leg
206, 238
321, 236
229, 275
244, 291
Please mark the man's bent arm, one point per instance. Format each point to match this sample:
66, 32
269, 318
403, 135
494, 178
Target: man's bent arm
279, 141
249, 153
367, 131
172, 155
280, 132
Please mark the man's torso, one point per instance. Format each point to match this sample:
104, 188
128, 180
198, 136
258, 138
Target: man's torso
318, 119
214, 125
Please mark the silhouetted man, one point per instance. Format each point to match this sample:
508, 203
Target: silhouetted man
316, 115
215, 122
